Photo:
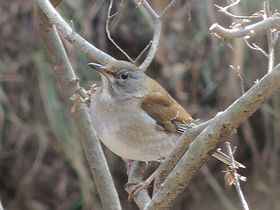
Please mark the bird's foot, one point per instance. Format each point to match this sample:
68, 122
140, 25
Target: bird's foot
133, 188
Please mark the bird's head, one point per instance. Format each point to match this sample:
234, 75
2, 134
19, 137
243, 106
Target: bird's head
121, 79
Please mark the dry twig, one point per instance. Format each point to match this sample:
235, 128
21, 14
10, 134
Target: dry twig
236, 178
109, 17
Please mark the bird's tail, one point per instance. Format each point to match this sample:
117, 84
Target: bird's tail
226, 159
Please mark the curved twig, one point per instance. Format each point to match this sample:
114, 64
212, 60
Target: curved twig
109, 17
157, 31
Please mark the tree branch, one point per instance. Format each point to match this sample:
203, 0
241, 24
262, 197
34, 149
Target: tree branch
270, 22
109, 17
136, 176
71, 36
155, 41
182, 146
68, 83
222, 126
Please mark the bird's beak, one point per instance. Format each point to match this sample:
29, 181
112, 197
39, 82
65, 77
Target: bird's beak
100, 69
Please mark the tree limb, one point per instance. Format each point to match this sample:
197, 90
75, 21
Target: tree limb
182, 146
222, 126
270, 22
71, 36
68, 83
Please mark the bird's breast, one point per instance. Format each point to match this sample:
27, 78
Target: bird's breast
128, 131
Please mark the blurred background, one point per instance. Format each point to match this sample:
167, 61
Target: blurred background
42, 165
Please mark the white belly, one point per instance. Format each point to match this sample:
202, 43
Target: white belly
130, 135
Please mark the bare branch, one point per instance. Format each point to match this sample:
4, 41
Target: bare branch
183, 144
142, 52
218, 190
171, 4
237, 72
236, 178
253, 46
136, 176
71, 36
234, 3
272, 37
221, 127
271, 22
224, 10
109, 17
68, 83
155, 41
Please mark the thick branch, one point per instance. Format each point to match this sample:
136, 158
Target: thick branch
183, 144
71, 36
271, 22
68, 84
222, 126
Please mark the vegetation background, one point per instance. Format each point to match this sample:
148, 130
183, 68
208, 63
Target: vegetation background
42, 165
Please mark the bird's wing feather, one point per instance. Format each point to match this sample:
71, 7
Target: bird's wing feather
166, 111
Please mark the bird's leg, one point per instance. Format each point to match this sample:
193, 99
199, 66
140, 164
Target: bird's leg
128, 164
136, 187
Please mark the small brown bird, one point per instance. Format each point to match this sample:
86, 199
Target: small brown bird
134, 116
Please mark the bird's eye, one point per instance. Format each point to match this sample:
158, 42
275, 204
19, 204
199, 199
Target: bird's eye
124, 76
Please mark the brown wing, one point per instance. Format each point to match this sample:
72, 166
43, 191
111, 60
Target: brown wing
168, 113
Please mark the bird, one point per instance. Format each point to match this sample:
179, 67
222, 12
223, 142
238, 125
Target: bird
134, 116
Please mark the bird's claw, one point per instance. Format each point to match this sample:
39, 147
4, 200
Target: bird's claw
133, 188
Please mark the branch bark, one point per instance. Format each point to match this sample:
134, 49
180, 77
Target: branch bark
68, 83
71, 36
271, 22
221, 127
135, 176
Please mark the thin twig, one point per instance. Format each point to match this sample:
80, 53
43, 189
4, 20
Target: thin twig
253, 46
221, 195
236, 178
109, 17
237, 72
142, 52
224, 10
171, 4
155, 41
270, 38
234, 3
157, 31
237, 16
